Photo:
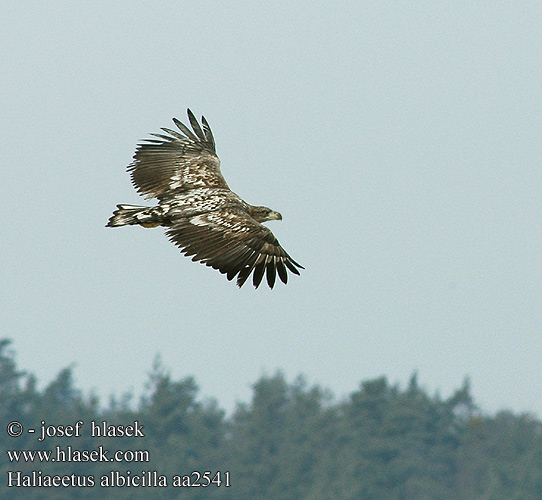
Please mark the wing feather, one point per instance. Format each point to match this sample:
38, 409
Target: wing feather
271, 273
196, 126
259, 270
171, 132
178, 161
185, 130
283, 275
235, 244
208, 133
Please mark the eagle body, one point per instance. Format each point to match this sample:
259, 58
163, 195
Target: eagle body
202, 216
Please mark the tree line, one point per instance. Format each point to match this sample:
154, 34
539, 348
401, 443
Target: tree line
290, 442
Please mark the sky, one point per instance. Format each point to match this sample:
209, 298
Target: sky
400, 141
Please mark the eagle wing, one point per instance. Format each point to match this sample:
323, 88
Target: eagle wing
234, 243
179, 161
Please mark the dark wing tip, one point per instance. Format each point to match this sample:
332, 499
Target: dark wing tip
258, 274
243, 275
271, 274
195, 125
270, 270
208, 132
185, 130
198, 134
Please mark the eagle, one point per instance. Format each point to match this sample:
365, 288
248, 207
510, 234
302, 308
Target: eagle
202, 216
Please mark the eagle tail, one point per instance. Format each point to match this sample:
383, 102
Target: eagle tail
126, 215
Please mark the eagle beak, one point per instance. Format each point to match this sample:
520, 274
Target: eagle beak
275, 216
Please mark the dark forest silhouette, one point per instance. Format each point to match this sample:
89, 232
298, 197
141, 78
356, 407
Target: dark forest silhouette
290, 442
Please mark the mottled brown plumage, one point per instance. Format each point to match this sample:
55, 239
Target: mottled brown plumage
202, 215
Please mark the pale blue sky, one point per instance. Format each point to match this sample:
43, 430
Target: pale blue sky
401, 141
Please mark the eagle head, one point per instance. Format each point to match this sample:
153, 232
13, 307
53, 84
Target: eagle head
262, 214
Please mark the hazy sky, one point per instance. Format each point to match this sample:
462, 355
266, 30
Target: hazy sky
401, 141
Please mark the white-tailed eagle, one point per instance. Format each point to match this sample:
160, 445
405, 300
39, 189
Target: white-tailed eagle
202, 215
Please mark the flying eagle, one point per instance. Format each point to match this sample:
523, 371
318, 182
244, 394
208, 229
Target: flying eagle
203, 217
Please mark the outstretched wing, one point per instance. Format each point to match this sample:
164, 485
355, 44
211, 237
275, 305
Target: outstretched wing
179, 161
235, 244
